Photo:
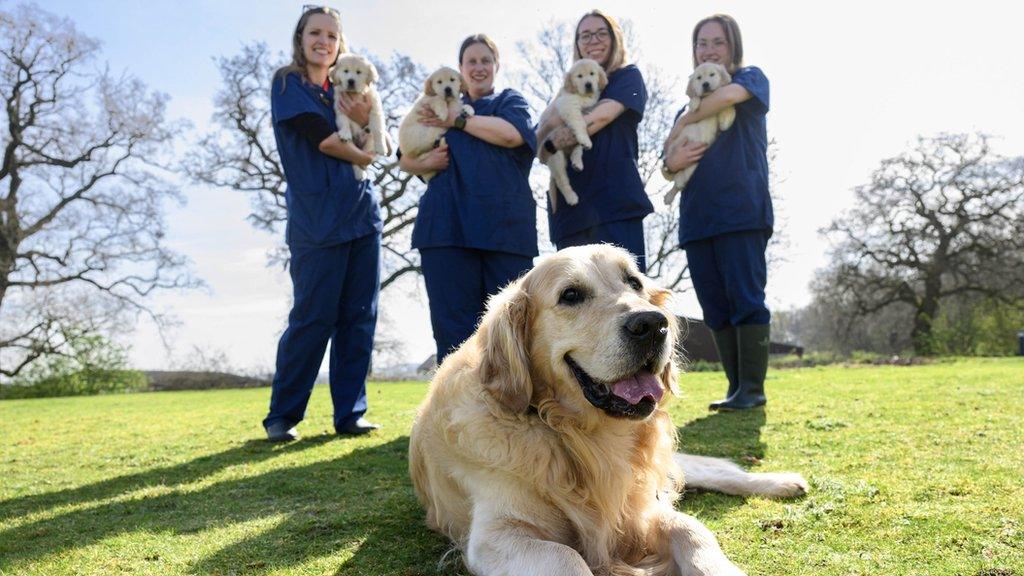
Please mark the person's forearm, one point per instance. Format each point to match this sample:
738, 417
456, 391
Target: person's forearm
602, 115
729, 95
347, 151
494, 130
414, 166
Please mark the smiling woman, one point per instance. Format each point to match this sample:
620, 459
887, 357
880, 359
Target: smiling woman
612, 200
333, 236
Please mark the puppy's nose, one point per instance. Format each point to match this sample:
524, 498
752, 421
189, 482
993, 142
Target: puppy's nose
351, 83
589, 86
646, 326
706, 86
448, 91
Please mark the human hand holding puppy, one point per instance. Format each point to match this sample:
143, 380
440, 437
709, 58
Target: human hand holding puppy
356, 107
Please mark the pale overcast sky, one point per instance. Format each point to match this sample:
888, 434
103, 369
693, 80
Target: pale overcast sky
852, 83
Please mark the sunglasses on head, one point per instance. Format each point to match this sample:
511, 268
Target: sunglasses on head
328, 9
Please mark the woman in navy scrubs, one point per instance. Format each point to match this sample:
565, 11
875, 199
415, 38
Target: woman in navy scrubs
333, 234
613, 202
476, 229
725, 215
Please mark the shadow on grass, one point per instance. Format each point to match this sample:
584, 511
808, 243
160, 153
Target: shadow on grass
362, 501
732, 435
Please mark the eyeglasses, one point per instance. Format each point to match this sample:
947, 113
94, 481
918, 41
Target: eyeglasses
328, 9
600, 35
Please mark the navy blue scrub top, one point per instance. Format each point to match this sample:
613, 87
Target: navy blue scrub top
326, 206
729, 190
483, 199
609, 187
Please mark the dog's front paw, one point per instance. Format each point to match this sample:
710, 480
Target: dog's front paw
571, 198
468, 110
586, 143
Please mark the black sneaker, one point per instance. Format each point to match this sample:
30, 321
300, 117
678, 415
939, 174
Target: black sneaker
356, 428
281, 432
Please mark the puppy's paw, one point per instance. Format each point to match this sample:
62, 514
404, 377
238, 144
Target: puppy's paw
586, 143
571, 198
468, 110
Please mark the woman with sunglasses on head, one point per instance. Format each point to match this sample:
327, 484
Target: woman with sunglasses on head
476, 229
612, 200
333, 234
725, 215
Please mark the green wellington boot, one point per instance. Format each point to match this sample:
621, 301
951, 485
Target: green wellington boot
753, 365
728, 353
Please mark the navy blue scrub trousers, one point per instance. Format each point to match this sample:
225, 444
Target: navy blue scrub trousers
628, 234
729, 274
335, 291
459, 281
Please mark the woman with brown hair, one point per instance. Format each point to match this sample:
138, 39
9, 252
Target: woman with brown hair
476, 229
333, 235
612, 200
725, 215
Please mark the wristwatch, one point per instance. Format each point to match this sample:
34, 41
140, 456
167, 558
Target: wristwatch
460, 121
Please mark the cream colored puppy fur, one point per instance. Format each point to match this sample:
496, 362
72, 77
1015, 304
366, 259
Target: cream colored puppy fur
705, 79
441, 88
357, 75
543, 447
581, 90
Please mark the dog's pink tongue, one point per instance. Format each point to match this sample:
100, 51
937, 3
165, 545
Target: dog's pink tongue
636, 388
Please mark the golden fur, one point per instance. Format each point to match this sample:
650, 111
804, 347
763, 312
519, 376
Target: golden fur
581, 90
525, 474
440, 90
357, 75
705, 79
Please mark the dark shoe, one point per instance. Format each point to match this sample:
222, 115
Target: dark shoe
356, 428
753, 340
728, 352
281, 432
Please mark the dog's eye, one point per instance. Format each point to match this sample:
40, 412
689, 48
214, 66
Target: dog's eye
635, 283
571, 296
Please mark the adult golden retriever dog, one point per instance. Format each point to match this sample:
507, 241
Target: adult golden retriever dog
542, 448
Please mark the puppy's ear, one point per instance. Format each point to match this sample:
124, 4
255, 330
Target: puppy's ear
428, 86
691, 89
372, 71
602, 79
504, 363
569, 86
463, 86
726, 77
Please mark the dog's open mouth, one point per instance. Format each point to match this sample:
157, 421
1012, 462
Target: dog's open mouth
633, 397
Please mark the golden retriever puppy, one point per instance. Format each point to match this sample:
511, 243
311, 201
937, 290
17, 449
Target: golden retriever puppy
582, 89
354, 74
705, 79
442, 88
543, 447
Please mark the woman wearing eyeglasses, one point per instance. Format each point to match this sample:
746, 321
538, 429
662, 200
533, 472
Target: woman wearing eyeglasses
476, 229
612, 203
333, 234
725, 215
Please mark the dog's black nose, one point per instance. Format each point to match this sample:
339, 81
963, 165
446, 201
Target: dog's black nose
351, 83
706, 86
646, 326
448, 91
589, 86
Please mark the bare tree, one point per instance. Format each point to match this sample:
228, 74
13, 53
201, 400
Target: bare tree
940, 220
81, 188
240, 154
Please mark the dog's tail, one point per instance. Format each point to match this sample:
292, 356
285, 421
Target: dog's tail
720, 475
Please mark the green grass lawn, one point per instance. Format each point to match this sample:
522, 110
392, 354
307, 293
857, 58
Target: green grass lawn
914, 470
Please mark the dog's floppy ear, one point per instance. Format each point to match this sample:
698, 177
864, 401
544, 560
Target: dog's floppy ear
569, 86
691, 91
602, 79
372, 71
726, 77
504, 363
428, 86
